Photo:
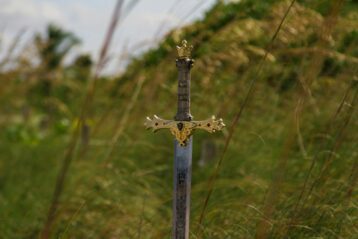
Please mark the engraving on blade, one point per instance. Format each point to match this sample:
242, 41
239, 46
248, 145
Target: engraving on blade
181, 202
182, 188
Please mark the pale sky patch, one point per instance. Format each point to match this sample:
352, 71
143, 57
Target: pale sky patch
89, 19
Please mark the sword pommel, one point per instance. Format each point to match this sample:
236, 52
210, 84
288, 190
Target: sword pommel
184, 51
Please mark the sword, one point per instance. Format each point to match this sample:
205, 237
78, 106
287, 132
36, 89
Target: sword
182, 127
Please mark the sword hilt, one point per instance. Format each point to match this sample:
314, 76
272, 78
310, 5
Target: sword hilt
182, 127
184, 66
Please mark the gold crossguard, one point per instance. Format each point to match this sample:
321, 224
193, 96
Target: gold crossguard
182, 130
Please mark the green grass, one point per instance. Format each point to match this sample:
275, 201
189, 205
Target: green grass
128, 195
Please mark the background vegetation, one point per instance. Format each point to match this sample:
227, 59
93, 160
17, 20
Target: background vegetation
76, 161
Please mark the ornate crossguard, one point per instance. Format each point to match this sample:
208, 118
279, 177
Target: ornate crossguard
182, 127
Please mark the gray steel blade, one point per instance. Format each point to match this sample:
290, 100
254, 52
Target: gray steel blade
182, 188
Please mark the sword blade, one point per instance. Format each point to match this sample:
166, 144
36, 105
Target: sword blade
182, 188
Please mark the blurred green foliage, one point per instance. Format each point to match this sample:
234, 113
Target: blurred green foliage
301, 121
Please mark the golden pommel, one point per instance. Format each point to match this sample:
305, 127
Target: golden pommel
184, 51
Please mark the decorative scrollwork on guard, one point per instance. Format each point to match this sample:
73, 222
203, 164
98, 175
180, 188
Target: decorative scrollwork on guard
182, 130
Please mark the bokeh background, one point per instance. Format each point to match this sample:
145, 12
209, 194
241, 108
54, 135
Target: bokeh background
79, 77
143, 23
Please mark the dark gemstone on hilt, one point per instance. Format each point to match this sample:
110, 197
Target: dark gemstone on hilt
184, 66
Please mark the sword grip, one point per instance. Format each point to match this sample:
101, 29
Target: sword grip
184, 66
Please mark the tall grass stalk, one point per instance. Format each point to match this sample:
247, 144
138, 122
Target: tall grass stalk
306, 81
120, 126
60, 181
12, 48
213, 177
310, 74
